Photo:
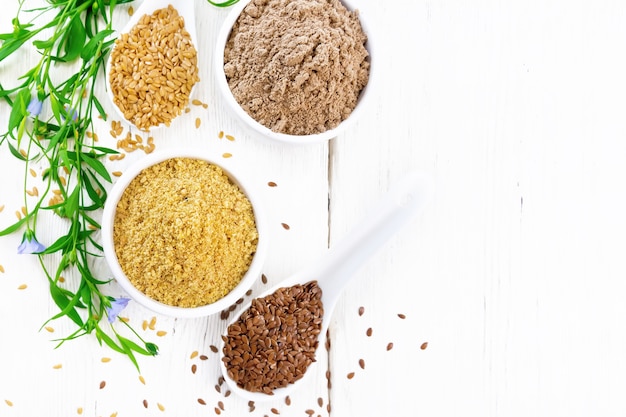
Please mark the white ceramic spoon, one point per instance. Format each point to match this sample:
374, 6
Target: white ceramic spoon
335, 269
185, 8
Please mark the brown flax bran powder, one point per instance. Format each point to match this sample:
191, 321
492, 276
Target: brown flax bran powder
297, 66
184, 233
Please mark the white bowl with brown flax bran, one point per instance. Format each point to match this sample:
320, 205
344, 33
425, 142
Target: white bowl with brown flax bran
295, 71
182, 235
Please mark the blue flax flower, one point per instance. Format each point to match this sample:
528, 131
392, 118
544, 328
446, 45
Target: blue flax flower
30, 245
34, 107
117, 305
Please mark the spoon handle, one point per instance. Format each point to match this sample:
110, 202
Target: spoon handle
393, 212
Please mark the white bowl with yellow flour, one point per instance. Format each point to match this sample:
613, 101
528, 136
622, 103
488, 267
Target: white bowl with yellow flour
294, 71
184, 235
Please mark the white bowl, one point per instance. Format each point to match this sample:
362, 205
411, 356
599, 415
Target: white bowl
257, 127
108, 216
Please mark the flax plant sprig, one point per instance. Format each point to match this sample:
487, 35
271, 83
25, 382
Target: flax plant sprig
50, 124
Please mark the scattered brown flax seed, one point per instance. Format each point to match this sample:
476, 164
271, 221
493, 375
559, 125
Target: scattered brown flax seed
361, 310
272, 184
389, 346
424, 345
217, 411
350, 375
203, 357
320, 401
218, 388
201, 401
145, 403
362, 363
285, 226
402, 316
220, 404
213, 348
102, 384
194, 367
263, 279
368, 332
275, 411
288, 400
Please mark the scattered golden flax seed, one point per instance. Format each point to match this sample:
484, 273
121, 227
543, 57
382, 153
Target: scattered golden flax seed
152, 324
49, 329
32, 172
204, 105
61, 279
198, 122
9, 403
227, 155
144, 324
116, 173
23, 153
57, 366
131, 11
193, 354
230, 138
114, 414
160, 407
187, 109
1, 208
161, 333
196, 102
221, 134
79, 411
105, 360
142, 379
22, 287
18, 214
1, 269
24, 211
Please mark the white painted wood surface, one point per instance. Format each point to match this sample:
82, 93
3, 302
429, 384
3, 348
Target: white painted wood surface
514, 274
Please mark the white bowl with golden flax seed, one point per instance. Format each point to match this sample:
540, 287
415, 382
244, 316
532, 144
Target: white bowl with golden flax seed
294, 71
183, 235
